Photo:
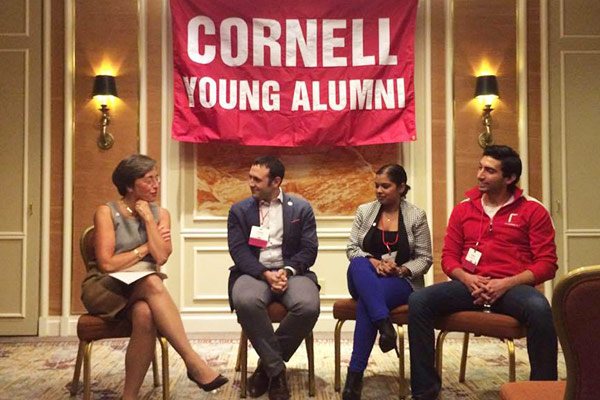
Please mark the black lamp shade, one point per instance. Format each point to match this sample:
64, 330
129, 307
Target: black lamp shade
486, 85
104, 85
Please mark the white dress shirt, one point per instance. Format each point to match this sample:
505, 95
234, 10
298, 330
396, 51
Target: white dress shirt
271, 217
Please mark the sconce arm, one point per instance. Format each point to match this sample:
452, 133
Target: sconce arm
485, 138
105, 140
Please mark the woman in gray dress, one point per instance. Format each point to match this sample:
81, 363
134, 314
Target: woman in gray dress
133, 233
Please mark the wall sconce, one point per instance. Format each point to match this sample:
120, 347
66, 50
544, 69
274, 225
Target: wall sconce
104, 87
486, 91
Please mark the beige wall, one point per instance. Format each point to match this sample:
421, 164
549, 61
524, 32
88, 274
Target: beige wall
20, 165
574, 119
460, 39
466, 36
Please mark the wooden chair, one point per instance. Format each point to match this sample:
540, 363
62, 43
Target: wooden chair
577, 319
277, 313
479, 323
344, 310
91, 328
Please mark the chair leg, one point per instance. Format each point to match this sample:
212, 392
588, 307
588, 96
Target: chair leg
164, 346
337, 338
310, 354
243, 359
463, 359
439, 352
87, 367
77, 372
403, 384
239, 356
155, 375
511, 359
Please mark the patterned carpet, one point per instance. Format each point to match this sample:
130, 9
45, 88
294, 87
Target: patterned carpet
43, 369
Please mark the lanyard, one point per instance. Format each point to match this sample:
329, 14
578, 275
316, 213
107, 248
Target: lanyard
389, 244
265, 215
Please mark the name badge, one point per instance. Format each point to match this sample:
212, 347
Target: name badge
259, 237
472, 259
389, 256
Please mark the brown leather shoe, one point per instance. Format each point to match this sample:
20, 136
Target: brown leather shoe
258, 383
278, 389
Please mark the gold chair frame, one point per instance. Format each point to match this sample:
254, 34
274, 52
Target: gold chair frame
399, 322
518, 331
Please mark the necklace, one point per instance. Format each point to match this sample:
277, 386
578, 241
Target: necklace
129, 210
388, 218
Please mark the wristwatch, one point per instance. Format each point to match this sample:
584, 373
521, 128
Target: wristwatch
289, 271
137, 253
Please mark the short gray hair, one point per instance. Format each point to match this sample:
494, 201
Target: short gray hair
128, 170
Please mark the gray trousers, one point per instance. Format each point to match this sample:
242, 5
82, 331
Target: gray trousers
251, 297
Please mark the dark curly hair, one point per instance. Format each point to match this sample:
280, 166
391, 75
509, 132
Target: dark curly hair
510, 162
274, 164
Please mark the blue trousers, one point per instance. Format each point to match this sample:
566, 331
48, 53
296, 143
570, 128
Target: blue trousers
522, 302
375, 296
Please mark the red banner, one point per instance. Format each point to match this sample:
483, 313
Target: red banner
294, 73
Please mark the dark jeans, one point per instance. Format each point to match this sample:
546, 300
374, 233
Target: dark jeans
376, 296
522, 302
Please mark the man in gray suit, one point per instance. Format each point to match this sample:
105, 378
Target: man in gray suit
273, 242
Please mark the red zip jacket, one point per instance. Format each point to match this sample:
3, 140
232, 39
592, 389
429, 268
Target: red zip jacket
520, 237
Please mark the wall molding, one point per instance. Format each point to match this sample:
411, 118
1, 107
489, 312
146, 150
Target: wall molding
449, 100
420, 154
27, 31
143, 78
215, 218
22, 239
22, 236
523, 112
165, 103
564, 35
227, 322
44, 300
545, 120
67, 227
563, 159
582, 232
215, 322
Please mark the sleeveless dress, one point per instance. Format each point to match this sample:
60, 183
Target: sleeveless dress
105, 296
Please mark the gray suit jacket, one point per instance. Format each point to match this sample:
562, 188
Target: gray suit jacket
419, 238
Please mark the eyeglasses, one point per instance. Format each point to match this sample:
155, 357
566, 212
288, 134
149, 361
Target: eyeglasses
149, 180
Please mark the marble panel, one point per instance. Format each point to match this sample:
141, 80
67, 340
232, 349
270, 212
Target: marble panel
334, 179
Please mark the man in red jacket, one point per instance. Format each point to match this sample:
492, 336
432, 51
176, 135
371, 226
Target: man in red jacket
499, 244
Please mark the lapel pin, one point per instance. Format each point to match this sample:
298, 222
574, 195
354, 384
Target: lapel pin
290, 203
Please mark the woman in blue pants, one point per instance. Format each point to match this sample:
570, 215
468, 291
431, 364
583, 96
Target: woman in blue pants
389, 252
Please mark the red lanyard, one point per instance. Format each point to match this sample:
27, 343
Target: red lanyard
263, 217
388, 244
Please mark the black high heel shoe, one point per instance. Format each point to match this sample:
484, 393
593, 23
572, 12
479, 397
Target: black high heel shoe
353, 386
210, 386
388, 339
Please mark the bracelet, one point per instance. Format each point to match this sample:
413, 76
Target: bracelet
138, 254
